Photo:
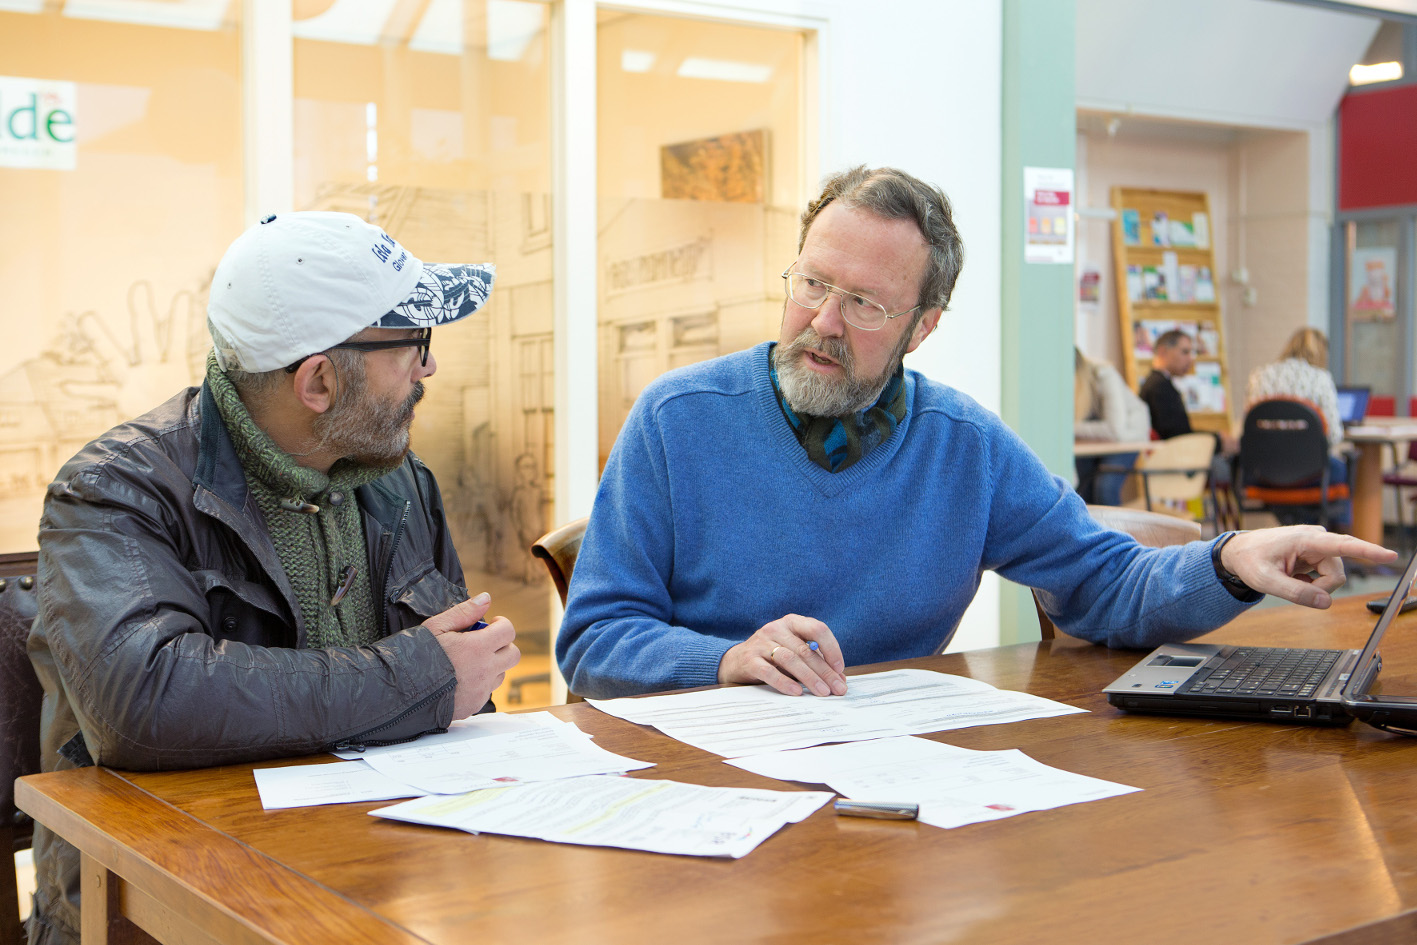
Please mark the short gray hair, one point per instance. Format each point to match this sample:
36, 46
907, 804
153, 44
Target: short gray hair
254, 387
896, 195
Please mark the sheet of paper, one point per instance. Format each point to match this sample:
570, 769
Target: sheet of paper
477, 726
953, 786
483, 751
340, 782
744, 720
534, 754
632, 813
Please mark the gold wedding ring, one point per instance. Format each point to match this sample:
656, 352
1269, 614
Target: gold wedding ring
773, 652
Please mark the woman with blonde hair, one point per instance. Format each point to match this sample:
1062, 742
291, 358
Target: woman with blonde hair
1301, 373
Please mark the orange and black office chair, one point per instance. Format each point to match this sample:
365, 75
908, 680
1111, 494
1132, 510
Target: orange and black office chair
1283, 462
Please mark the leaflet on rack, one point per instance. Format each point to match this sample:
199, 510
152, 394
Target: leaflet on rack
746, 720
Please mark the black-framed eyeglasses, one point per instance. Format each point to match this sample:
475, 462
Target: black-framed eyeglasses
422, 341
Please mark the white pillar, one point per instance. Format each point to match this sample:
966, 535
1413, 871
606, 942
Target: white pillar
268, 96
573, 135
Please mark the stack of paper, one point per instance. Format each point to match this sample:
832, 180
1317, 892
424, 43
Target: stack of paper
953, 786
480, 752
744, 720
634, 813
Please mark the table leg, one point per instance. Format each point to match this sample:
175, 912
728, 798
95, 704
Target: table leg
1368, 493
101, 920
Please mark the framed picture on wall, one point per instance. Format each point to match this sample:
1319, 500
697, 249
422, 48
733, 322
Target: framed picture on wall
1372, 272
729, 168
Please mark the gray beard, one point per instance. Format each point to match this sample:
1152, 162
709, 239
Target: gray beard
816, 395
366, 430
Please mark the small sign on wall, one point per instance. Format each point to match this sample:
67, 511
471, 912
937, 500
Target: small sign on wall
1048, 212
38, 123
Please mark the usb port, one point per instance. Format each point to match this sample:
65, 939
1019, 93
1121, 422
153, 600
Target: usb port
1303, 712
1281, 710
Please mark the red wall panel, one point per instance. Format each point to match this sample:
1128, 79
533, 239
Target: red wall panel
1377, 151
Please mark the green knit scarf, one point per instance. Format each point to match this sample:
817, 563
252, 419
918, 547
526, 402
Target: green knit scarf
318, 548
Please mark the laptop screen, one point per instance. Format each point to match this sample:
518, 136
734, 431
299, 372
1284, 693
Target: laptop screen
1369, 661
1352, 404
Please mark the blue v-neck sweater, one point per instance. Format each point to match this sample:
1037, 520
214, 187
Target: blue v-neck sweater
710, 521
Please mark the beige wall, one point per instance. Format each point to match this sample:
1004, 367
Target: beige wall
1271, 177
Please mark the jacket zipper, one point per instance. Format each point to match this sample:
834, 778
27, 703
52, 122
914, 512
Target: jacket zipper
389, 566
363, 740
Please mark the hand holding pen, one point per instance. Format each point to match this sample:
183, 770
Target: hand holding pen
794, 654
481, 652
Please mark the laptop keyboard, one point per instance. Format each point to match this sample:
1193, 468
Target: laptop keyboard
1265, 671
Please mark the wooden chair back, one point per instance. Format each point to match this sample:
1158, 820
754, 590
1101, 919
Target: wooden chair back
558, 550
20, 700
1176, 470
1152, 529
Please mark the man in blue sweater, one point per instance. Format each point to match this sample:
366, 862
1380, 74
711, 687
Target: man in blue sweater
778, 514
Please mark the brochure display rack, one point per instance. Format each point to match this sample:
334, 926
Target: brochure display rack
1166, 278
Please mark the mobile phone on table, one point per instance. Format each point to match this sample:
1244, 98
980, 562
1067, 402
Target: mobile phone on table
1379, 605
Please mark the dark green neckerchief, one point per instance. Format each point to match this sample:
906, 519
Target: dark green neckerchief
316, 548
836, 443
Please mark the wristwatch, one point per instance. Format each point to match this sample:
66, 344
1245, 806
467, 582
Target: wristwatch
1238, 589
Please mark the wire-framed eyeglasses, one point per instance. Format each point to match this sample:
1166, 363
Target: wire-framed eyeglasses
859, 311
422, 341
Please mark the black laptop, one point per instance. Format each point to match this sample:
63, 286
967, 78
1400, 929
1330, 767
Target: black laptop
1279, 684
1353, 404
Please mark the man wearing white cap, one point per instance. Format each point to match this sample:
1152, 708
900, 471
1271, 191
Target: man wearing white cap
259, 567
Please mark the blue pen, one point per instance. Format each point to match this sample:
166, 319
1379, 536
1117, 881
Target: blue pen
480, 625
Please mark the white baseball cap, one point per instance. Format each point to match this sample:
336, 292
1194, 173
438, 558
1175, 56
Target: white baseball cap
297, 283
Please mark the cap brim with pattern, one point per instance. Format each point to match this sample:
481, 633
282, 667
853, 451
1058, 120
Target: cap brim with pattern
444, 294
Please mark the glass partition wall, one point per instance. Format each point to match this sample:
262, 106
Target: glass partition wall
437, 127
123, 180
700, 162
1377, 314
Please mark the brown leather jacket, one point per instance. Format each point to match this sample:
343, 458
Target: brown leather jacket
169, 637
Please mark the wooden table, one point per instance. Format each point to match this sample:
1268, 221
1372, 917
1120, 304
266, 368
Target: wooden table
1370, 438
1244, 833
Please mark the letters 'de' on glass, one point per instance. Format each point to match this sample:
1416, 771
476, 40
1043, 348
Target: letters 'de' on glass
120, 188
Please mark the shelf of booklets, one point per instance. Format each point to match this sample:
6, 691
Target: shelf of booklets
1161, 243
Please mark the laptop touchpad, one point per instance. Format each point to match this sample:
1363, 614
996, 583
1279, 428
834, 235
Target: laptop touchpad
1165, 660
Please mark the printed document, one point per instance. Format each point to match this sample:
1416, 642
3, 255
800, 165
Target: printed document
953, 786
540, 754
632, 813
483, 751
746, 720
340, 782
474, 726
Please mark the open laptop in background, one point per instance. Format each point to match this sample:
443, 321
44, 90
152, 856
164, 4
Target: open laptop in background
1277, 684
1353, 404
